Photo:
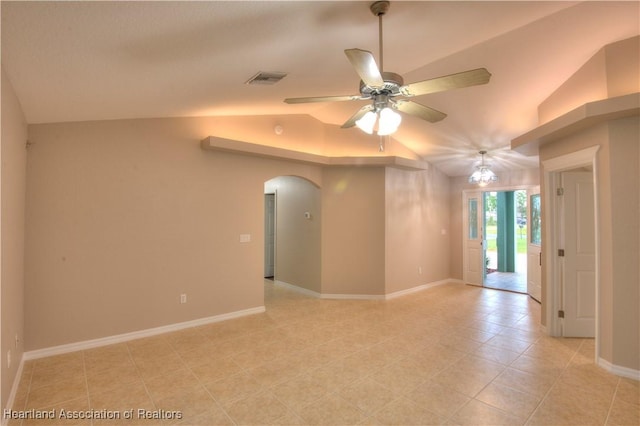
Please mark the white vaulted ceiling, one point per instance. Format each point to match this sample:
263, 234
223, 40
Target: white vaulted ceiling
76, 61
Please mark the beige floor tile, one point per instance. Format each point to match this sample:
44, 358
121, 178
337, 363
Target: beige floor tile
57, 392
289, 419
438, 398
97, 364
335, 375
63, 414
276, 371
628, 391
460, 343
233, 388
536, 385
58, 368
172, 383
43, 377
199, 356
496, 354
61, 362
478, 413
125, 397
554, 349
262, 408
367, 395
509, 343
516, 403
539, 366
403, 411
131, 396
115, 377
331, 410
214, 416
191, 404
531, 336
398, 379
216, 370
469, 375
106, 352
589, 377
299, 391
151, 366
623, 413
567, 405
312, 361
154, 346
253, 357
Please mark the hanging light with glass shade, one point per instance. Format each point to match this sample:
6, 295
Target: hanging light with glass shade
483, 175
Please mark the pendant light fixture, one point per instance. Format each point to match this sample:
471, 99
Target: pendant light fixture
483, 175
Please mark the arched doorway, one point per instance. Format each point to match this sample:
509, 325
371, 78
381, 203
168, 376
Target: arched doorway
293, 232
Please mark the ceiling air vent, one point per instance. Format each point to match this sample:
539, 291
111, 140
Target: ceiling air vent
266, 78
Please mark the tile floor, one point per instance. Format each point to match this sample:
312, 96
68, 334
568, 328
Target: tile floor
453, 354
509, 281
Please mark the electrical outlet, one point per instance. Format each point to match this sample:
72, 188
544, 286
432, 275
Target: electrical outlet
17, 341
9, 358
420, 270
183, 298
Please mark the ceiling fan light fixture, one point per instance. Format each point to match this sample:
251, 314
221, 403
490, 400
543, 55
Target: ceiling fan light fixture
389, 121
483, 175
367, 122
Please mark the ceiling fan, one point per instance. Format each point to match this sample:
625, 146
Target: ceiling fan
388, 91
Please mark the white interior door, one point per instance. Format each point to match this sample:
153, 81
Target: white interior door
473, 235
269, 234
534, 242
579, 275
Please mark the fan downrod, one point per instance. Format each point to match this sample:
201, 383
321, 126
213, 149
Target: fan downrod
379, 8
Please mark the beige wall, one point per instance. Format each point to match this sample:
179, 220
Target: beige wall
624, 136
298, 238
124, 216
353, 231
513, 179
612, 71
417, 228
13, 171
616, 68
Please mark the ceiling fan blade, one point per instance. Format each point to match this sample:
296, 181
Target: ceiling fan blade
325, 99
447, 82
366, 67
429, 114
357, 116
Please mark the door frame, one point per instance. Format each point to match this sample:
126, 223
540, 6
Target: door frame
534, 190
275, 230
552, 293
465, 232
464, 217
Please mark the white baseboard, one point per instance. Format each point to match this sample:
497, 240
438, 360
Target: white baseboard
629, 373
110, 340
364, 296
417, 288
298, 289
14, 390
